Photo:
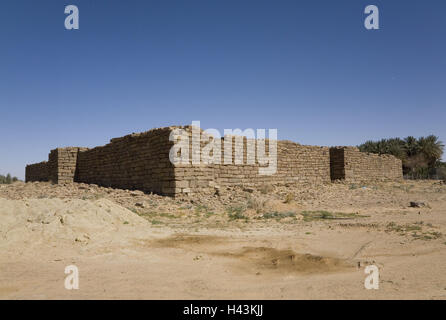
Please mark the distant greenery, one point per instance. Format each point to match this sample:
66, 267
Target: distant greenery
421, 157
7, 179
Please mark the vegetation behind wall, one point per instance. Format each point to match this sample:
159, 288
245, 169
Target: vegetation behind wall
421, 157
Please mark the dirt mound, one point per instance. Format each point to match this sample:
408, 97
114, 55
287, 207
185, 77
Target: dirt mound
35, 221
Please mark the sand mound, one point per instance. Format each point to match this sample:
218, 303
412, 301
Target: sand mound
53, 221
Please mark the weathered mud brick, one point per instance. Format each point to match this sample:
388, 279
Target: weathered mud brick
141, 161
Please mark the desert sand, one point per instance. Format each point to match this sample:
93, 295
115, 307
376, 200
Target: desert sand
278, 242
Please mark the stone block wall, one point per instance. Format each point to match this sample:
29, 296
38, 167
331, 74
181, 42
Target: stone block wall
350, 164
337, 163
141, 161
295, 164
37, 172
136, 161
64, 163
60, 167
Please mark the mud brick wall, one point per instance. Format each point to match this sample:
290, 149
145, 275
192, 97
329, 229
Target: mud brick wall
136, 161
141, 161
67, 163
337, 167
37, 172
295, 164
352, 165
193, 178
62, 164
60, 168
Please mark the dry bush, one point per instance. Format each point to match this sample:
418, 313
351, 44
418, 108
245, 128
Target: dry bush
266, 188
289, 197
256, 204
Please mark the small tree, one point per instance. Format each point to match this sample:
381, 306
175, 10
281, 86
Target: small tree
8, 178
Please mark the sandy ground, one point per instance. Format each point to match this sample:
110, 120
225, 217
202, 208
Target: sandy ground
290, 242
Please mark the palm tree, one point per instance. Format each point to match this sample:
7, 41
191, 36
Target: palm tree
431, 148
411, 146
381, 146
369, 146
395, 146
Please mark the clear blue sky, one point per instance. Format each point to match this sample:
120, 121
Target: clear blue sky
308, 68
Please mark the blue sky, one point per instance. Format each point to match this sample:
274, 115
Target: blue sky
308, 68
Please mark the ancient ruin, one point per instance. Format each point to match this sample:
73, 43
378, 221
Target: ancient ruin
141, 162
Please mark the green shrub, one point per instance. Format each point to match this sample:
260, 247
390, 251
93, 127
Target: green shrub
8, 179
236, 212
